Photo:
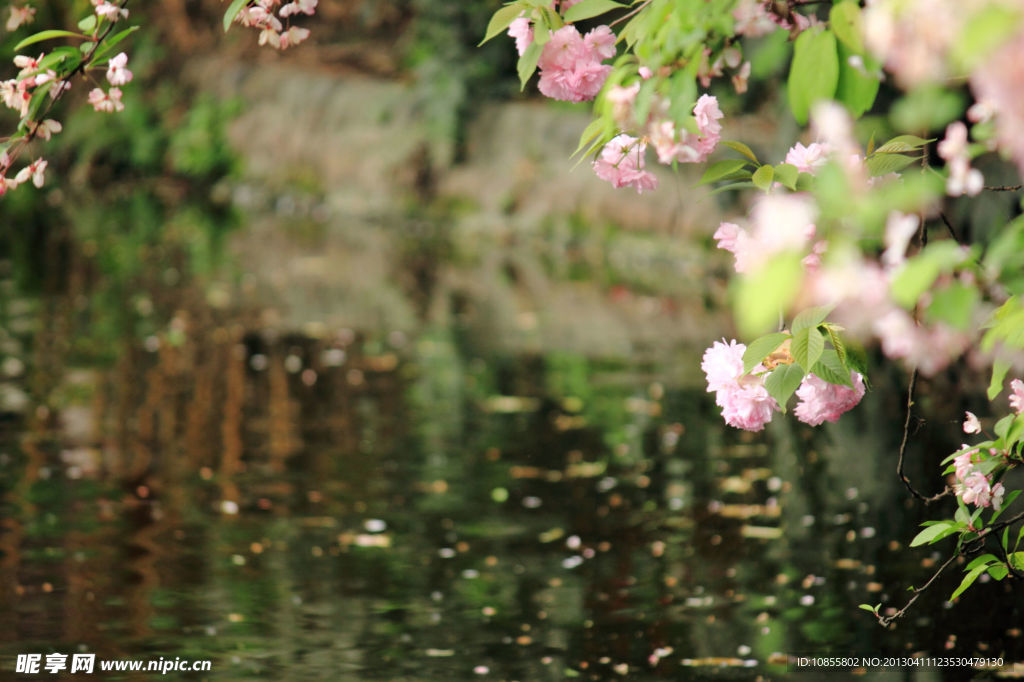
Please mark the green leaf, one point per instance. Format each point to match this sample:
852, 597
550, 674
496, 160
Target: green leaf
856, 89
590, 8
761, 295
883, 164
999, 369
867, 607
720, 169
528, 63
741, 148
844, 19
808, 345
903, 143
787, 174
232, 11
934, 533
979, 560
782, 382
968, 580
830, 368
760, 348
811, 317
813, 73
762, 177
501, 20
837, 342
590, 133
998, 571
46, 35
88, 24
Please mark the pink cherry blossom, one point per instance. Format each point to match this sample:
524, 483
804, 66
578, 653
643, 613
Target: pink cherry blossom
570, 64
20, 16
117, 72
622, 164
522, 30
299, 6
47, 128
722, 364
108, 102
821, 401
808, 159
744, 400
108, 10
684, 147
971, 423
1017, 397
293, 36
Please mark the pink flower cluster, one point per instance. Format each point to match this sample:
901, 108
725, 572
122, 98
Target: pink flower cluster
570, 64
686, 147
974, 487
259, 14
117, 74
622, 164
821, 401
661, 132
744, 400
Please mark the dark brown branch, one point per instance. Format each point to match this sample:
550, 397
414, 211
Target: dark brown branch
1003, 188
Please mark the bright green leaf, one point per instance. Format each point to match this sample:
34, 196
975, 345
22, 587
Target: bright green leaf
590, 8
46, 35
741, 148
528, 63
232, 11
808, 345
721, 169
762, 177
856, 88
810, 317
844, 19
999, 369
813, 73
782, 382
903, 143
934, 533
787, 174
760, 348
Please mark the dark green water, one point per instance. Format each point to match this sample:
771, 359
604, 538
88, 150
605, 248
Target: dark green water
353, 506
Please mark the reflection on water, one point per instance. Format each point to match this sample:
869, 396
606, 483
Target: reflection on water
350, 507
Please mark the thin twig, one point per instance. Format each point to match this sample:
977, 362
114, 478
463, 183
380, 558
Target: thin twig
903, 449
949, 226
884, 621
627, 16
1003, 188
